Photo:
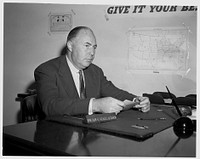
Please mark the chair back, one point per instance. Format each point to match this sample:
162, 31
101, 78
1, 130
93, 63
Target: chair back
31, 109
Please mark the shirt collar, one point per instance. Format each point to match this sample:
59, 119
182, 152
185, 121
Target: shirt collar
71, 66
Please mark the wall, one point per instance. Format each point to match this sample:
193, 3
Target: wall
27, 44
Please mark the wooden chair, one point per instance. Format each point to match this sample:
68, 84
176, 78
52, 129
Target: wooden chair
31, 109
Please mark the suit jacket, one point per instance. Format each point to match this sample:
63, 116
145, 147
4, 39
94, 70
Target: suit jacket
57, 92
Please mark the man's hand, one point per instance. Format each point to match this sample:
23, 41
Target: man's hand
144, 104
107, 105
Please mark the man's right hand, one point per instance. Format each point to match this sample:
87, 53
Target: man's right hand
107, 105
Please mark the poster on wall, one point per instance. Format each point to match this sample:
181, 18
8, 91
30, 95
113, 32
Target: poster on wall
148, 9
158, 50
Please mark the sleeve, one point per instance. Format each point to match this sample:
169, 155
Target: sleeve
53, 97
109, 89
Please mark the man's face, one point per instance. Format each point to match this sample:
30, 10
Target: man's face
83, 49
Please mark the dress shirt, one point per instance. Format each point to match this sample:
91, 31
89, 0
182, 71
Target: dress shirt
75, 75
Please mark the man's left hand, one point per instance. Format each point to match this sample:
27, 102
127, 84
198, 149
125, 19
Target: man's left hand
144, 103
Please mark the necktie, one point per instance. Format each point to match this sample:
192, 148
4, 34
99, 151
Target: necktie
82, 87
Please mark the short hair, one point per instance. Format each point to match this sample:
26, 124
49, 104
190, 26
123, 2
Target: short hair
73, 33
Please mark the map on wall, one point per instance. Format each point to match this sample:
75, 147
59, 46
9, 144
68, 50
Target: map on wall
158, 50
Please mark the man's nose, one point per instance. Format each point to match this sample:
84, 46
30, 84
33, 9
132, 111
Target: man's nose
92, 50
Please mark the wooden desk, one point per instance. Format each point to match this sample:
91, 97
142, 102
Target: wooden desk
50, 138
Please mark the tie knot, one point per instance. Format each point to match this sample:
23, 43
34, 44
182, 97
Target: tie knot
80, 72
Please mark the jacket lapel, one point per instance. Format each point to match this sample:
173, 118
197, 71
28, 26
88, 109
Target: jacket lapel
66, 78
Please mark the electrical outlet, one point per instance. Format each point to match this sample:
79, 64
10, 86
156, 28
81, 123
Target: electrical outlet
60, 22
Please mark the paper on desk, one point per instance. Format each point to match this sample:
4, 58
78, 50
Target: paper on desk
129, 104
168, 100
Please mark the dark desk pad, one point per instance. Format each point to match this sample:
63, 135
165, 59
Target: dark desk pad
122, 125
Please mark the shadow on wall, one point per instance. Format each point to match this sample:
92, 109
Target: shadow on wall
31, 89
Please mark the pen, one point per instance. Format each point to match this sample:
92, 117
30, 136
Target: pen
70, 116
152, 118
139, 127
173, 101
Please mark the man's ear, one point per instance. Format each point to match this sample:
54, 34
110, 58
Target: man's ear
69, 46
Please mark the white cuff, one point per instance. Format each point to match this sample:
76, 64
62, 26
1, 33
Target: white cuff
90, 106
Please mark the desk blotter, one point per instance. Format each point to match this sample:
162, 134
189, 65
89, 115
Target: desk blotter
123, 124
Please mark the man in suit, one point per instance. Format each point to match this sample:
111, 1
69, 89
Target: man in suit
72, 85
